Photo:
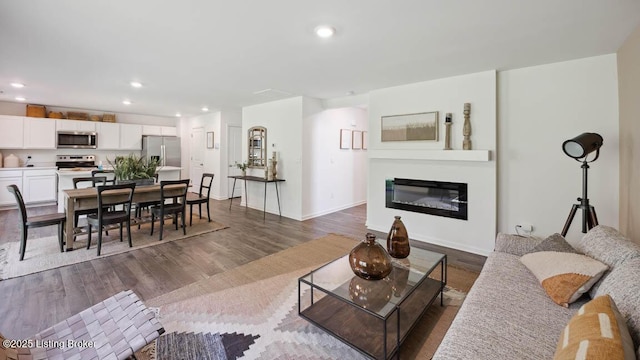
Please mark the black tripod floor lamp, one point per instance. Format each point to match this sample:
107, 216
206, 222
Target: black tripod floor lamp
578, 148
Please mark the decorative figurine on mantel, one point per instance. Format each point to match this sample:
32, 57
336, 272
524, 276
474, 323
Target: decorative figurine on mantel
447, 135
466, 129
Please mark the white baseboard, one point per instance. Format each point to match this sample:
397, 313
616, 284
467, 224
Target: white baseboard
329, 211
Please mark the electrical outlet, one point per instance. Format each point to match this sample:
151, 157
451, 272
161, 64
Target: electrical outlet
527, 228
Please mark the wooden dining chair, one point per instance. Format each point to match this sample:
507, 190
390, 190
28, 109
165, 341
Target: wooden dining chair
105, 216
110, 175
145, 205
177, 206
200, 198
92, 182
35, 221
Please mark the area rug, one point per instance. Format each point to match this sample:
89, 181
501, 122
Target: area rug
251, 312
44, 253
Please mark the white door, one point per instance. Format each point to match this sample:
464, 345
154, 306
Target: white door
197, 157
235, 155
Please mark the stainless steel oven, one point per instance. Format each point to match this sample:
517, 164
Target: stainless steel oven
77, 140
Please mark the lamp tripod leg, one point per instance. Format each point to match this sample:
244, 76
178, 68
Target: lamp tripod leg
593, 218
567, 224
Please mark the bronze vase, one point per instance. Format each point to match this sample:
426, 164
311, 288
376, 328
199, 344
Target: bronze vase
398, 240
372, 295
369, 260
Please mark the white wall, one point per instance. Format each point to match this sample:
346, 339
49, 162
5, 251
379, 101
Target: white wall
227, 117
335, 178
445, 95
539, 108
283, 120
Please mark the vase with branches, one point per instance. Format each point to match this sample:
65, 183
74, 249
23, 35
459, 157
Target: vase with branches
242, 166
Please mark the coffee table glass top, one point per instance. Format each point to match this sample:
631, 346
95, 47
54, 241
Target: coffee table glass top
377, 296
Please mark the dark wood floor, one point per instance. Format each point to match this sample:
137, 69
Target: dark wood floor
34, 302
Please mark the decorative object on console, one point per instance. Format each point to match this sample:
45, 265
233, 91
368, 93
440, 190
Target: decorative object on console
345, 139
134, 168
466, 128
369, 260
579, 148
398, 240
274, 165
410, 127
242, 166
447, 134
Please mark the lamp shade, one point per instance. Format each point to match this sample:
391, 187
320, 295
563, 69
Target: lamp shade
581, 145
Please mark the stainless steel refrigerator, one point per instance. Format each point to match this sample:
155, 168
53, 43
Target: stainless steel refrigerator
165, 148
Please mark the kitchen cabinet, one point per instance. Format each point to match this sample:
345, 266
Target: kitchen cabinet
75, 125
39, 186
108, 136
130, 137
159, 130
39, 133
9, 177
168, 131
151, 130
12, 134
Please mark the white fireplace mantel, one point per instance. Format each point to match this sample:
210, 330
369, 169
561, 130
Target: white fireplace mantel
438, 155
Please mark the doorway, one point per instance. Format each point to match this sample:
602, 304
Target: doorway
196, 166
235, 155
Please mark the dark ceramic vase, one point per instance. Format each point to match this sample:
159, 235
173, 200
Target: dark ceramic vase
369, 260
398, 240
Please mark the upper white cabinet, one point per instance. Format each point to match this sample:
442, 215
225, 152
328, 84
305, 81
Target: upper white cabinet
108, 135
39, 133
130, 137
159, 130
151, 130
168, 131
75, 125
12, 132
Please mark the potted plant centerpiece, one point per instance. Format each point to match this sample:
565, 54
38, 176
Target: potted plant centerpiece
134, 168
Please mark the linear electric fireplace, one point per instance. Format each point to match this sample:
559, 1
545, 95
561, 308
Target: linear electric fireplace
438, 198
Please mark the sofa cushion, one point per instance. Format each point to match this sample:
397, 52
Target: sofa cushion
597, 330
506, 315
606, 244
564, 276
555, 242
623, 287
516, 244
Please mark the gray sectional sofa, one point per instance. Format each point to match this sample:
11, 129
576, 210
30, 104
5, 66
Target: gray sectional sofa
508, 315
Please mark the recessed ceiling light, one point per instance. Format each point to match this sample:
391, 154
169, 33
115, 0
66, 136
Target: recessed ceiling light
325, 31
205, 109
17, 85
178, 115
136, 84
20, 98
126, 102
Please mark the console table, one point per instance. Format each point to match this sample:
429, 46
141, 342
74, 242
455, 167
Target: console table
256, 179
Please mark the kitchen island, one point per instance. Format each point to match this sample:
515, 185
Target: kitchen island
65, 179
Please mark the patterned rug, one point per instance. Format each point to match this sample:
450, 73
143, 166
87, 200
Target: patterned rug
44, 253
261, 319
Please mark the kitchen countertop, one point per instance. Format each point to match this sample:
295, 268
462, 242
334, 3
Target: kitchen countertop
30, 168
83, 172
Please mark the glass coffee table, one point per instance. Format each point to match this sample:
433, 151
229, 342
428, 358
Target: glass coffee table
372, 316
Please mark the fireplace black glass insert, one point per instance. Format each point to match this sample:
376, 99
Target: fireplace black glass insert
438, 198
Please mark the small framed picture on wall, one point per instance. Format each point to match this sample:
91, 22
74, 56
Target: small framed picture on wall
365, 140
345, 139
356, 140
210, 140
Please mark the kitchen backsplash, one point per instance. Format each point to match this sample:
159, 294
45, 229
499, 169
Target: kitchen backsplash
48, 157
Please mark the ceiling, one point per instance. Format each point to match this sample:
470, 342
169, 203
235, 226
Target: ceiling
194, 53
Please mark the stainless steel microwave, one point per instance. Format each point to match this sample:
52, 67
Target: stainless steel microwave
77, 140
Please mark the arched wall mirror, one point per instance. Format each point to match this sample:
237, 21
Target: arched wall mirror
257, 147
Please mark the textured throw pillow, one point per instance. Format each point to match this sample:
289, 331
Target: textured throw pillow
554, 242
597, 331
564, 276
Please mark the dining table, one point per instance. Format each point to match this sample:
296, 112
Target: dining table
87, 198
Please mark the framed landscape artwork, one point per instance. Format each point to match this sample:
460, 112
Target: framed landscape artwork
356, 140
345, 139
410, 127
